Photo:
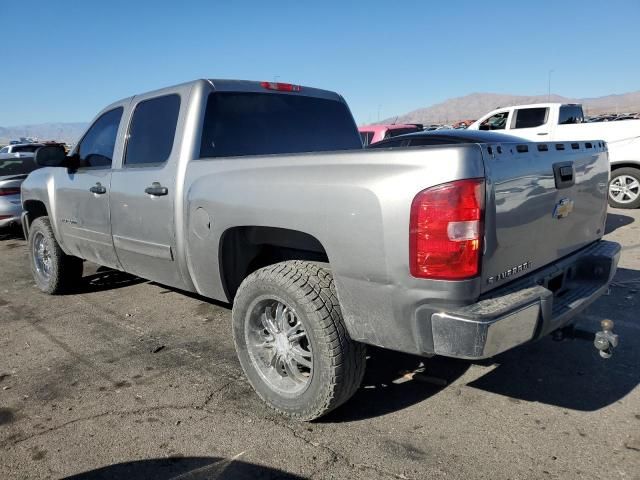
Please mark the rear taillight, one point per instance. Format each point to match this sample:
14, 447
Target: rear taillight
9, 191
445, 231
281, 87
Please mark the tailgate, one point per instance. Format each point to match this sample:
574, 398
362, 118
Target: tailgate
544, 201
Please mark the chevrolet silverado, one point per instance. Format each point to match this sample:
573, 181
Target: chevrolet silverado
260, 194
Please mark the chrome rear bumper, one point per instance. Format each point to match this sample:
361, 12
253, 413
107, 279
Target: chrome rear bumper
529, 308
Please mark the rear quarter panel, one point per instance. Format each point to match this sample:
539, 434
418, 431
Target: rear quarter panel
356, 204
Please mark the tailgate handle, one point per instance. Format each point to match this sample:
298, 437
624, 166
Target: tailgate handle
564, 174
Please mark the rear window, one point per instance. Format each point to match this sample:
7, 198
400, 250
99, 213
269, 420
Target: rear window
570, 114
243, 123
530, 117
17, 166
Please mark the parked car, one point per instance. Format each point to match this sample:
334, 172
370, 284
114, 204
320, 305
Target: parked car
375, 133
260, 194
13, 171
552, 122
19, 150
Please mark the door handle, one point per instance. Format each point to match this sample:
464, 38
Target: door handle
156, 190
543, 133
98, 189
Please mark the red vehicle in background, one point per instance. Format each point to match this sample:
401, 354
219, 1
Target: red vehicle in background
375, 133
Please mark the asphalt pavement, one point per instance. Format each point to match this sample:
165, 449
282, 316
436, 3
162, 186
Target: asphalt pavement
129, 379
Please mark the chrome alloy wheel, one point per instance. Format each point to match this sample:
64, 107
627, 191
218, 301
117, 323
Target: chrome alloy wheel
624, 189
42, 256
278, 346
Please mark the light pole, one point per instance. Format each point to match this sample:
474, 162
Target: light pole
549, 86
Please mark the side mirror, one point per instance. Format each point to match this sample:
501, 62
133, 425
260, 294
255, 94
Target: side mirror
51, 156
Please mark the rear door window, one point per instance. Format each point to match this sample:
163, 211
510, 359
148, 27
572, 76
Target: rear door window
246, 123
570, 114
152, 131
530, 117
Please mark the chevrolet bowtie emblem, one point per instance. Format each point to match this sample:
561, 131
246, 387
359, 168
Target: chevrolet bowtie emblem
563, 208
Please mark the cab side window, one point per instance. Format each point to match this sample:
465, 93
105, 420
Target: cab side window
530, 117
570, 114
497, 121
152, 130
96, 147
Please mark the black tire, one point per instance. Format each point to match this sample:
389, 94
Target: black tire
338, 363
63, 271
625, 173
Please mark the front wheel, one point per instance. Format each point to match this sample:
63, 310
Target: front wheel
292, 342
624, 188
53, 270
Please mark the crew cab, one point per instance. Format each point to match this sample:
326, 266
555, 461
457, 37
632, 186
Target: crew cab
551, 122
260, 194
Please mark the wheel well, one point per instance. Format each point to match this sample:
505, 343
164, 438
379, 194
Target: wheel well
244, 250
34, 209
615, 166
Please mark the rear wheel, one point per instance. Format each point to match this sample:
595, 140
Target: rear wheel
292, 342
53, 271
624, 188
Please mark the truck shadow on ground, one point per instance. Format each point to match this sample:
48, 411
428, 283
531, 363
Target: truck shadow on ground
616, 221
106, 279
394, 381
185, 468
571, 374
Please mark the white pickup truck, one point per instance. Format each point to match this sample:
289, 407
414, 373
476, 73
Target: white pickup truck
560, 122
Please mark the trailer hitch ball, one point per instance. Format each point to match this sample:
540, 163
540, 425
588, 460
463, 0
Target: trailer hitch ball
605, 341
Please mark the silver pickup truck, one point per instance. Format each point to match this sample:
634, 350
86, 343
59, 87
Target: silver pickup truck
260, 194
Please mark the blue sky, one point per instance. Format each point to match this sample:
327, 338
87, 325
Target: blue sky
64, 60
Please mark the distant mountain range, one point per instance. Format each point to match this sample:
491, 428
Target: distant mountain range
475, 105
461, 108
62, 132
